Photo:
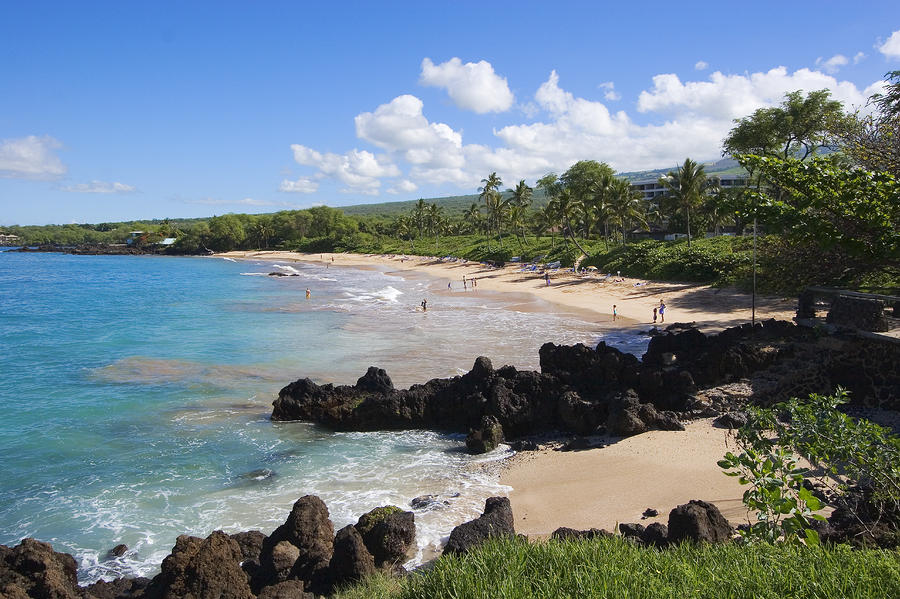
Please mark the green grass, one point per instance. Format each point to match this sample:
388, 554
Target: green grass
617, 569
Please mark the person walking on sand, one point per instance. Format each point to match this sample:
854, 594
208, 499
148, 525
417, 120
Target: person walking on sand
449, 286
307, 293
615, 312
464, 282
662, 311
654, 314
547, 278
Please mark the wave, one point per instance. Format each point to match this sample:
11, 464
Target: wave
230, 259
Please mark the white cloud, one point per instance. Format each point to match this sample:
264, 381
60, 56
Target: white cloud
891, 48
301, 185
680, 119
701, 65
734, 96
359, 170
858, 57
403, 186
99, 187
30, 157
833, 64
610, 94
472, 86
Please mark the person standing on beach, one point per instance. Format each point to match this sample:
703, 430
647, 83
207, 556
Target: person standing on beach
654, 314
615, 312
547, 278
449, 286
662, 311
464, 282
424, 305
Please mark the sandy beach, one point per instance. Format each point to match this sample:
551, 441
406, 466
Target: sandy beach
711, 309
601, 487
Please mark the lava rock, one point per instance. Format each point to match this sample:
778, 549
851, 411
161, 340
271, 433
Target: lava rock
389, 534
496, 521
486, 437
698, 521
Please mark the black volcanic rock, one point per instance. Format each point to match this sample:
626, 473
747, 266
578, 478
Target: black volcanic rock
496, 521
33, 569
698, 521
486, 437
579, 390
389, 534
201, 568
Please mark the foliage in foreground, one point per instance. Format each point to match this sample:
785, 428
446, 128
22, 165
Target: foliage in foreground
857, 461
511, 568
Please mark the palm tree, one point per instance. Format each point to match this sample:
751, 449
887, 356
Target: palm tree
685, 186
569, 208
488, 192
435, 221
472, 216
626, 205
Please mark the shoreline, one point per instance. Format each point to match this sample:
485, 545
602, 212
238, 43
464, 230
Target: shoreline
614, 483
710, 309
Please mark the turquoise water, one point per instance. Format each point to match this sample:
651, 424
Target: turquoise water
136, 394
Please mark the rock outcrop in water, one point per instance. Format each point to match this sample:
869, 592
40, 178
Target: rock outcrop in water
684, 373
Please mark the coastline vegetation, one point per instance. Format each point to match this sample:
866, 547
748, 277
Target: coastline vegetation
615, 568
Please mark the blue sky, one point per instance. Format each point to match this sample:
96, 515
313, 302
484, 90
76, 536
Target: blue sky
126, 110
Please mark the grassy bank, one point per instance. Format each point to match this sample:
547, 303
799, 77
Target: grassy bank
614, 568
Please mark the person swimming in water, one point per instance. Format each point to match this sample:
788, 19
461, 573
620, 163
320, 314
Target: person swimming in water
307, 293
424, 305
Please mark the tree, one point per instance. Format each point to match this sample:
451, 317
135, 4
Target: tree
796, 129
626, 205
873, 141
435, 220
225, 232
684, 189
568, 207
583, 179
472, 217
519, 203
491, 197
856, 211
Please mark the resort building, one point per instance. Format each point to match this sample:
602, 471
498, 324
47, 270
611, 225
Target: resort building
8, 239
651, 189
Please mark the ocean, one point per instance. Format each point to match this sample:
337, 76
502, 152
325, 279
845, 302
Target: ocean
137, 391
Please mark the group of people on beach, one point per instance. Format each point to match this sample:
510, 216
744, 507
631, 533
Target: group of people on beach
658, 312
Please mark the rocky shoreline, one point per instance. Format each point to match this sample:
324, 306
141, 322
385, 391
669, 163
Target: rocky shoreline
579, 392
684, 374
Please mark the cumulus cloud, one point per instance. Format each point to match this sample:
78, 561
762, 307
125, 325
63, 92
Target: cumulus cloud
403, 186
99, 187
734, 96
472, 86
301, 185
359, 170
610, 94
858, 57
678, 119
30, 157
701, 65
891, 48
833, 64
